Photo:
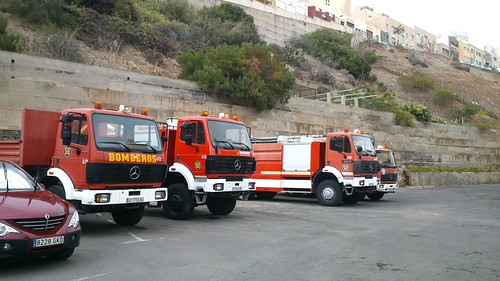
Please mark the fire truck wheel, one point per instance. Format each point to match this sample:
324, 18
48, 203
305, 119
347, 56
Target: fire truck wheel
57, 190
329, 193
221, 206
375, 196
180, 203
353, 198
128, 217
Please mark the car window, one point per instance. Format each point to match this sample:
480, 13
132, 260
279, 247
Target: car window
12, 178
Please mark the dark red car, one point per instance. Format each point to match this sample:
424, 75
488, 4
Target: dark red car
34, 221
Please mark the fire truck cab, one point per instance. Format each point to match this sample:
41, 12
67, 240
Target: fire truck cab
341, 166
101, 160
210, 160
388, 173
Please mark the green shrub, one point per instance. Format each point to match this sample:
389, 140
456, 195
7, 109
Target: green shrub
420, 111
416, 82
386, 102
467, 111
443, 96
179, 10
334, 48
42, 12
371, 57
4, 19
404, 119
10, 42
246, 75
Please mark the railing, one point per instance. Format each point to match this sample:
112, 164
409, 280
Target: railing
342, 97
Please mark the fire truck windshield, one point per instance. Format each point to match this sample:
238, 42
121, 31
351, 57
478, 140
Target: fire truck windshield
386, 158
228, 135
124, 133
366, 145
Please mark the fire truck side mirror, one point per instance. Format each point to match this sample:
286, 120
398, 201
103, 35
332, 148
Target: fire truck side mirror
66, 134
164, 137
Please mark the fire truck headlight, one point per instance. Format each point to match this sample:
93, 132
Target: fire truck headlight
160, 194
251, 185
219, 187
102, 197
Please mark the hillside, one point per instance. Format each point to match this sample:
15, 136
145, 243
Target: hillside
477, 86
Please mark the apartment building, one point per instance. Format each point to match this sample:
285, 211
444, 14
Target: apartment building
472, 55
392, 32
339, 7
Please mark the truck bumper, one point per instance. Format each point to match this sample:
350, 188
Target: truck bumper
222, 185
105, 197
388, 187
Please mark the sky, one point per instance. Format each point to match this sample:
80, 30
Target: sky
478, 19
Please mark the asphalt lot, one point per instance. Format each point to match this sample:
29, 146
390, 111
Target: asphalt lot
443, 233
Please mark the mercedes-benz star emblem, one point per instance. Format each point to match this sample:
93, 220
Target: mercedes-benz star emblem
237, 164
135, 172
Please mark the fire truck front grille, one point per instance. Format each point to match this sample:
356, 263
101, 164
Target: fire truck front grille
389, 177
124, 173
366, 167
230, 165
40, 224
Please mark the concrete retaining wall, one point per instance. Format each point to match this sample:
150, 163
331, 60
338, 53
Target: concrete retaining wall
447, 178
41, 83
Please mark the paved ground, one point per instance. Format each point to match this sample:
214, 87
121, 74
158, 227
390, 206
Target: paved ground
445, 233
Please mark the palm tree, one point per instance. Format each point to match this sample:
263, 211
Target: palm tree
400, 30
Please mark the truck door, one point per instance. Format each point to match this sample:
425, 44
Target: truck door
72, 158
192, 147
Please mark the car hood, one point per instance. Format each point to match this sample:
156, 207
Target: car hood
31, 204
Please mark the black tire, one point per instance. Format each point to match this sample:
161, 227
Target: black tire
265, 195
354, 198
375, 196
57, 190
128, 217
62, 255
221, 206
329, 193
180, 203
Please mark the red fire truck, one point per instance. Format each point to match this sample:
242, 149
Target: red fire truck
388, 173
340, 166
98, 159
210, 161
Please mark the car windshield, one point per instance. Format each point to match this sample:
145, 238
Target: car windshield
127, 134
228, 135
386, 158
13, 178
366, 145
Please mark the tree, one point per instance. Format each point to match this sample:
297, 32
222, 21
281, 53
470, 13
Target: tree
399, 30
245, 75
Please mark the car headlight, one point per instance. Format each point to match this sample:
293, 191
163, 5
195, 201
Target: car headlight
75, 220
6, 229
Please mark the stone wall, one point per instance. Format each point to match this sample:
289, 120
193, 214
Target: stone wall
41, 83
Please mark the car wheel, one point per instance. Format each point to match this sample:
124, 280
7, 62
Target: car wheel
329, 193
62, 255
128, 217
221, 206
180, 202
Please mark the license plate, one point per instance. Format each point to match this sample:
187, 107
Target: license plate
44, 242
237, 188
135, 199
